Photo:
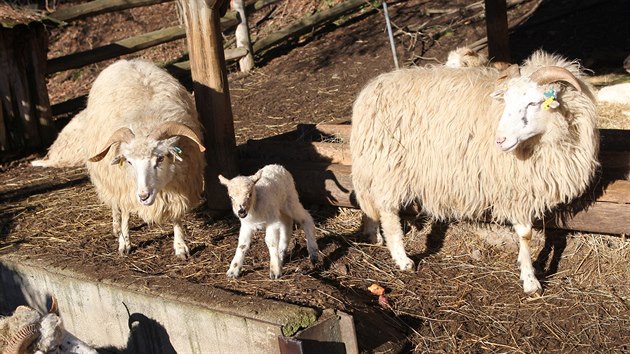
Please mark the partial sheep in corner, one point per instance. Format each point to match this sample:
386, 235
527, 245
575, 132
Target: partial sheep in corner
141, 140
436, 137
28, 331
268, 199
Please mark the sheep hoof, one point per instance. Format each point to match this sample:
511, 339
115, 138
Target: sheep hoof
274, 276
406, 265
532, 287
313, 258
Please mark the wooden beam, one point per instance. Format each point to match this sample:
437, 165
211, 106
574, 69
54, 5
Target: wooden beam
122, 47
97, 7
212, 94
497, 30
307, 24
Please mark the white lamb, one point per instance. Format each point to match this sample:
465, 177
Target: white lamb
141, 140
434, 136
268, 199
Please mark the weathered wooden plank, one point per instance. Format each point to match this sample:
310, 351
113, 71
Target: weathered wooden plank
598, 217
299, 151
307, 24
212, 94
98, 7
122, 47
116, 49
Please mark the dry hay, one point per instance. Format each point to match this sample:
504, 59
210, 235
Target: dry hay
464, 297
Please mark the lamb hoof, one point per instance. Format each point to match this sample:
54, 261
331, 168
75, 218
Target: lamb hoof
275, 276
313, 258
181, 251
123, 251
233, 273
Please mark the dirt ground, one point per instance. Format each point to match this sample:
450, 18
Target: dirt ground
465, 295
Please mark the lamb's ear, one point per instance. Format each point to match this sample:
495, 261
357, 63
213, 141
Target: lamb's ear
122, 135
256, 176
224, 181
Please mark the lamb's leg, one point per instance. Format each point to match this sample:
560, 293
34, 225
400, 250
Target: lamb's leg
120, 223
393, 233
244, 240
179, 243
272, 235
286, 229
308, 225
530, 283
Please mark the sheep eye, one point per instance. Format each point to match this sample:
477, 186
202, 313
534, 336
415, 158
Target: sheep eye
160, 159
129, 162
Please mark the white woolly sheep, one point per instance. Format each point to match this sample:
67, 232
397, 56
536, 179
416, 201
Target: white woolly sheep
464, 57
28, 331
268, 199
130, 137
434, 136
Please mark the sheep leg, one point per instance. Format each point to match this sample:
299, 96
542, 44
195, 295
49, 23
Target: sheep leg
371, 230
179, 243
530, 283
120, 223
392, 230
244, 240
272, 234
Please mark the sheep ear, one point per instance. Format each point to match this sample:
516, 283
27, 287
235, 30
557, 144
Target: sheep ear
118, 159
122, 135
224, 181
498, 94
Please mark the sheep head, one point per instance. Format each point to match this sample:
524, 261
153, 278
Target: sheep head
242, 192
526, 99
150, 159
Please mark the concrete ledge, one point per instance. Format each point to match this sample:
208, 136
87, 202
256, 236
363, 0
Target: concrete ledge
134, 319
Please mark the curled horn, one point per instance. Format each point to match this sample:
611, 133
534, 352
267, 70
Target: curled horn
122, 135
54, 307
551, 74
20, 341
170, 129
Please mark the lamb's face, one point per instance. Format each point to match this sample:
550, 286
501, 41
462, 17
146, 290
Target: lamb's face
521, 119
242, 193
151, 163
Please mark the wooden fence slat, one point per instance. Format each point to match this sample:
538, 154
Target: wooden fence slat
122, 47
116, 49
98, 7
307, 24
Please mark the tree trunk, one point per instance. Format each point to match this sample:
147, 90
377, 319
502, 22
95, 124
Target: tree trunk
212, 96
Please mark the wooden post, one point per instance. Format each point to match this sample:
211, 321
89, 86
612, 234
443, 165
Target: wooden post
246, 63
497, 29
26, 116
212, 95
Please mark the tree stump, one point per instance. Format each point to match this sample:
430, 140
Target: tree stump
25, 115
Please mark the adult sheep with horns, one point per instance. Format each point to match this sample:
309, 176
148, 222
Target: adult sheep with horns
141, 140
473, 143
